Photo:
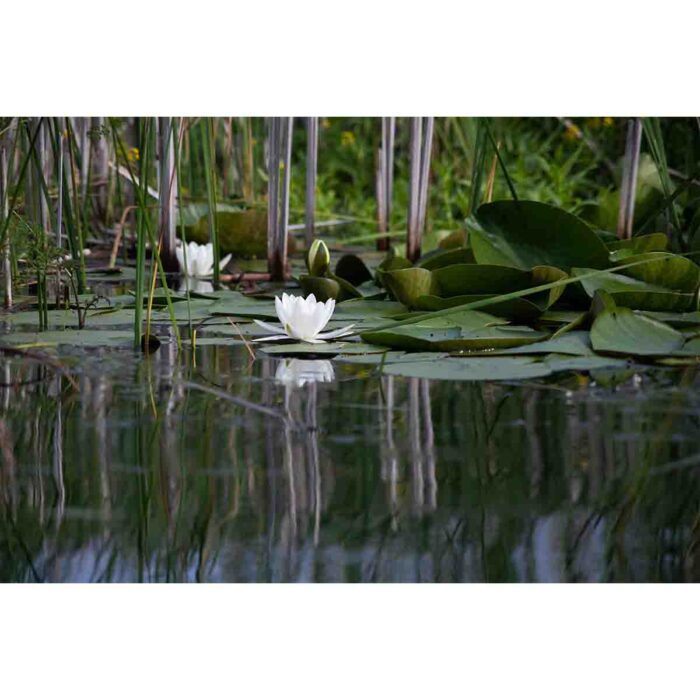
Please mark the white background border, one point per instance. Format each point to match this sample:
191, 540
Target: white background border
351, 58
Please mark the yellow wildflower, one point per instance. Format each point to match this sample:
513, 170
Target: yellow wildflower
572, 132
347, 138
608, 121
132, 155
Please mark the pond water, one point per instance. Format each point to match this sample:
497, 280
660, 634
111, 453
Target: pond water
218, 467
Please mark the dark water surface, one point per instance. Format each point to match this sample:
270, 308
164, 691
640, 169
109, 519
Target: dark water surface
147, 470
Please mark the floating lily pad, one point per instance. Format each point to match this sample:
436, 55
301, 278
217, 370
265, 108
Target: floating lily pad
640, 244
462, 279
673, 272
85, 338
625, 332
676, 319
408, 284
471, 369
526, 234
634, 293
237, 304
519, 309
352, 269
442, 258
576, 343
360, 309
497, 368
468, 330
322, 288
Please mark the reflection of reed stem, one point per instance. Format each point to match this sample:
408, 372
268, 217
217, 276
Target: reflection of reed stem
429, 444
414, 442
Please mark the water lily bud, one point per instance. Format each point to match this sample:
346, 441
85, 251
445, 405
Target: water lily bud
318, 259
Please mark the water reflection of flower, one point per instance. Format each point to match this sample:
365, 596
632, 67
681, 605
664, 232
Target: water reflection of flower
297, 372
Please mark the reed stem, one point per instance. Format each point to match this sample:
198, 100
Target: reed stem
167, 188
385, 180
420, 147
630, 168
311, 172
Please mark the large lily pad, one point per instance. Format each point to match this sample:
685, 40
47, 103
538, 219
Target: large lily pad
323, 288
625, 332
497, 368
84, 338
640, 244
635, 293
442, 258
361, 309
455, 280
519, 309
672, 272
577, 343
406, 285
471, 369
526, 234
468, 330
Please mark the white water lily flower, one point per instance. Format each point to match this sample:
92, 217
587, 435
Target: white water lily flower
303, 319
200, 260
296, 373
195, 284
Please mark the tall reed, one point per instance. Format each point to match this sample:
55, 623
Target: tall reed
279, 174
311, 171
167, 188
385, 180
628, 189
420, 148
7, 135
210, 177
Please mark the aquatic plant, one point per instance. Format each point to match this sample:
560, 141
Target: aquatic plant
198, 260
303, 319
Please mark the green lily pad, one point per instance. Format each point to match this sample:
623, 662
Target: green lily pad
237, 304
439, 258
322, 288
526, 234
676, 319
352, 269
497, 368
635, 293
84, 338
468, 330
624, 332
471, 369
519, 309
462, 279
640, 244
577, 343
406, 285
361, 309
672, 272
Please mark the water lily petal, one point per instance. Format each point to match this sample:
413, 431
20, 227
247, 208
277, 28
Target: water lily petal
336, 334
269, 327
270, 337
281, 309
224, 261
180, 259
